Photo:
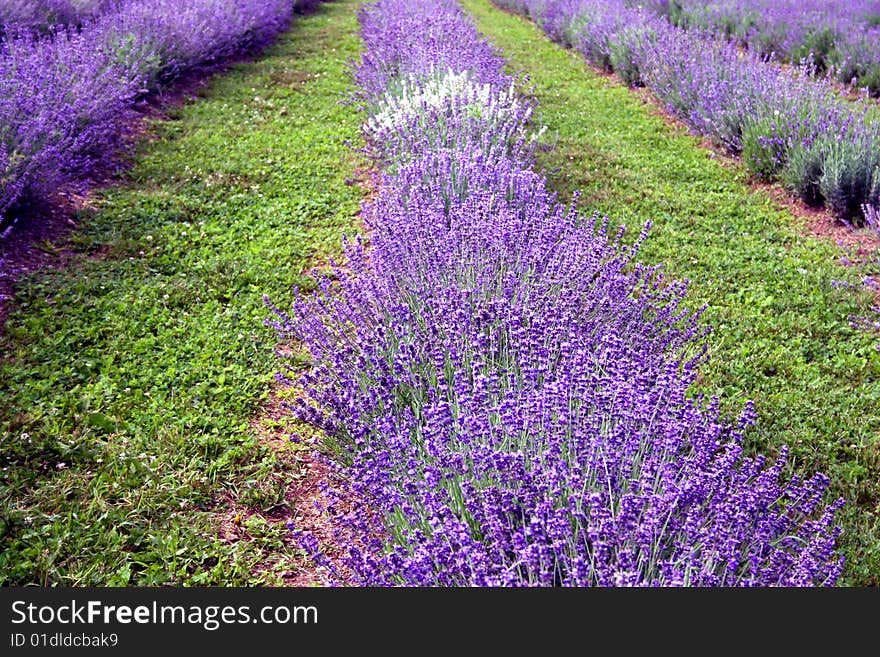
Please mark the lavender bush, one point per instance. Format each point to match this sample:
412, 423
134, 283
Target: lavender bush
414, 41
507, 386
62, 97
42, 16
177, 37
842, 36
787, 124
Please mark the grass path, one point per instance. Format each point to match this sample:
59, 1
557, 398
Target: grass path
130, 381
782, 336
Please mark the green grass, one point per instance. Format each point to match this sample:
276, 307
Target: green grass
129, 378
782, 335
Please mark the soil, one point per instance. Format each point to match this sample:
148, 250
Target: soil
305, 472
302, 472
31, 246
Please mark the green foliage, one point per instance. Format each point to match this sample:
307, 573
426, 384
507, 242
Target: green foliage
764, 146
782, 333
572, 29
675, 14
818, 46
848, 177
624, 59
803, 171
871, 80
130, 377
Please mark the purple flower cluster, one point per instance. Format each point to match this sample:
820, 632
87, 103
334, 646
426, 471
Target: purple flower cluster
787, 124
842, 36
506, 385
44, 15
62, 95
413, 42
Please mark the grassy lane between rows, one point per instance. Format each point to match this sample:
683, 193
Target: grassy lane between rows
781, 330
129, 380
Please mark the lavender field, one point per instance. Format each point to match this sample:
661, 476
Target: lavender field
788, 124
42, 16
840, 36
389, 303
64, 95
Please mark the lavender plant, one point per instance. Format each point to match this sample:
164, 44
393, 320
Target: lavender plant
417, 41
41, 16
872, 218
508, 387
841, 36
62, 97
783, 121
198, 33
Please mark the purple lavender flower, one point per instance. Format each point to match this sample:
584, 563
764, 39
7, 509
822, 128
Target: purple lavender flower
415, 37
62, 96
786, 123
41, 16
506, 385
838, 35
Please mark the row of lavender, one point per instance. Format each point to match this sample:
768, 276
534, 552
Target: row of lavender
506, 385
44, 15
787, 124
62, 96
841, 36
